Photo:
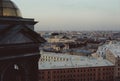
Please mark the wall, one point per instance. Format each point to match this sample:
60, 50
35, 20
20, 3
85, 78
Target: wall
78, 74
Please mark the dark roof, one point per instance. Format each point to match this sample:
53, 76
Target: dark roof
11, 30
65, 37
35, 36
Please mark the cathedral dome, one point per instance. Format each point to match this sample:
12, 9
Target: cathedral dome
9, 9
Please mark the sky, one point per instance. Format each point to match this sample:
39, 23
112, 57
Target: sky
72, 14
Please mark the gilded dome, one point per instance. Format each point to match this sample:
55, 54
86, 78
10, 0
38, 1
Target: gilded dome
9, 9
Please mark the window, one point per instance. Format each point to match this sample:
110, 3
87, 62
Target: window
88, 70
9, 12
118, 69
54, 76
48, 77
48, 72
66, 59
84, 70
54, 71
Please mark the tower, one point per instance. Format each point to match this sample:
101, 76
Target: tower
19, 45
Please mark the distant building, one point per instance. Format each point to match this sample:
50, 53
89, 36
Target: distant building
80, 52
113, 55
101, 51
111, 52
55, 57
60, 39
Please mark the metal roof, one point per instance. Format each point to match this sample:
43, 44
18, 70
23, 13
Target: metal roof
73, 62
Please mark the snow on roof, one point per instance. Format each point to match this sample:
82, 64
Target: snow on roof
113, 47
115, 50
74, 62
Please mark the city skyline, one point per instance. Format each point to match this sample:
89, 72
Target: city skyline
72, 15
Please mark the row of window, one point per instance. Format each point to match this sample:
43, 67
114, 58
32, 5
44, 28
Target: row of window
77, 79
82, 75
76, 75
54, 58
42, 60
83, 70
102, 70
50, 57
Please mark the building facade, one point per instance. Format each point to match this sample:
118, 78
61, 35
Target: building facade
113, 56
78, 74
19, 45
111, 52
57, 67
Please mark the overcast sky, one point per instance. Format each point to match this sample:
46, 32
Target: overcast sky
72, 14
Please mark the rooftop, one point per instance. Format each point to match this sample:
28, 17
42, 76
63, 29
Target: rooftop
73, 62
114, 47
